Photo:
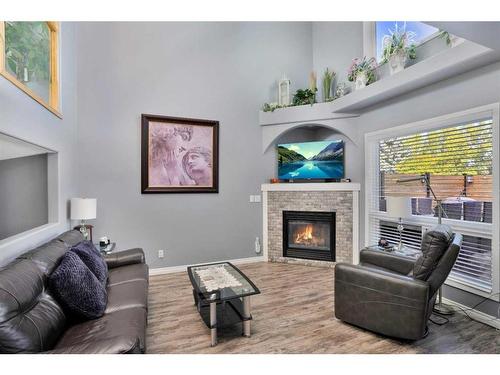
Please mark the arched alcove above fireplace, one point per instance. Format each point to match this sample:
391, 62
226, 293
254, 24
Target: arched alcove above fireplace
276, 126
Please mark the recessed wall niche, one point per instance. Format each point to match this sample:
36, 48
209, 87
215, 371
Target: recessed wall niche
311, 133
28, 187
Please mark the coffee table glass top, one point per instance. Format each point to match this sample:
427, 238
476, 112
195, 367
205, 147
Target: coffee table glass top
221, 281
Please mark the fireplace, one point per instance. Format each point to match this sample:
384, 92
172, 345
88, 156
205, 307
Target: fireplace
309, 235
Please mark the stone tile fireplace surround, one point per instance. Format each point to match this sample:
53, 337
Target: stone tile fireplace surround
341, 198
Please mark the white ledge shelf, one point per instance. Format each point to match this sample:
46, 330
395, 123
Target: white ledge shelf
448, 63
323, 186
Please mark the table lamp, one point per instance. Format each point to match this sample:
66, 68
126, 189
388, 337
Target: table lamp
83, 209
399, 207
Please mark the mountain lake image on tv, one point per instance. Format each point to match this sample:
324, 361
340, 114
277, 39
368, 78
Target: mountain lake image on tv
322, 160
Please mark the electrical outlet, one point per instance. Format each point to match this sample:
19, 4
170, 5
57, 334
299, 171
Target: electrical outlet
161, 253
254, 199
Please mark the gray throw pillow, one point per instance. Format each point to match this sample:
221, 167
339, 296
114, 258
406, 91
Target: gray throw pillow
92, 259
77, 289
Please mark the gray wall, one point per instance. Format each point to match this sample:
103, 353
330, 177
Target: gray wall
23, 194
218, 71
335, 44
22, 117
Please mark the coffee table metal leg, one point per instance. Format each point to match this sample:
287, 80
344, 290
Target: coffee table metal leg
246, 312
213, 323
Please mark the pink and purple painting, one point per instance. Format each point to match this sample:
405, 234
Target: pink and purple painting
179, 155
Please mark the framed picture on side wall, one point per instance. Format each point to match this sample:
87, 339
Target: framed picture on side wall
179, 155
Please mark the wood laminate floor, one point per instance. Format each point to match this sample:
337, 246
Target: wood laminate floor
293, 314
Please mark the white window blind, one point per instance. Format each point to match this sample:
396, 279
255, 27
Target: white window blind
458, 162
473, 265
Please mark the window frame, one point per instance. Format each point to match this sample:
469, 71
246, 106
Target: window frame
486, 230
53, 105
370, 39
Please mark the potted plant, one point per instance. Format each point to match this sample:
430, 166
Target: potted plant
450, 39
399, 45
327, 85
306, 96
362, 72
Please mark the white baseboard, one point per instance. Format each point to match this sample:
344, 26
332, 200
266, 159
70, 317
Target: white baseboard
173, 269
475, 314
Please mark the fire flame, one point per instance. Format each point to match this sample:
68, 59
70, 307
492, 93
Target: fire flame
306, 236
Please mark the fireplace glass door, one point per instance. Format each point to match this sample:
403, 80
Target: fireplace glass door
309, 235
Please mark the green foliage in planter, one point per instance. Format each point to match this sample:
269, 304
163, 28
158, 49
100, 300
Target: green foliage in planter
363, 65
446, 36
327, 85
270, 107
399, 41
306, 96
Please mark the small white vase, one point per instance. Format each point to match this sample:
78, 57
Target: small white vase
361, 80
397, 62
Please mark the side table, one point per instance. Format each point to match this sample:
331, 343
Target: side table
404, 252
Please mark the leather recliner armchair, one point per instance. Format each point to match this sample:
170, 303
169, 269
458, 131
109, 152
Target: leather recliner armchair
395, 295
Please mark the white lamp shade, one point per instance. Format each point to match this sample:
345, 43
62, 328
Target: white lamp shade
399, 206
83, 208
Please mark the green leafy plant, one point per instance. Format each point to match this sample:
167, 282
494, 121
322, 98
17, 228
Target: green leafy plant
306, 96
363, 65
399, 41
270, 107
446, 36
327, 85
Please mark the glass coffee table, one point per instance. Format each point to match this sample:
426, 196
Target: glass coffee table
222, 296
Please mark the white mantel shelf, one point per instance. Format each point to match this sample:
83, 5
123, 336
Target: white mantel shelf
322, 186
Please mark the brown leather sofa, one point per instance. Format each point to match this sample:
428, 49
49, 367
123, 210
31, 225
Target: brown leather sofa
32, 321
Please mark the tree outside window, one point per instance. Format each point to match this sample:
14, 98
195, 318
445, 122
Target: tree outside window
30, 59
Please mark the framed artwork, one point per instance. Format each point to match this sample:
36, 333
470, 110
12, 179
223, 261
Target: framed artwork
179, 155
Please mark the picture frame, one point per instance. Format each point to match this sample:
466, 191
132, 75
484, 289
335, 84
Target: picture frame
179, 155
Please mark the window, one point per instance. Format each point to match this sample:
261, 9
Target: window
422, 32
29, 59
458, 162
456, 154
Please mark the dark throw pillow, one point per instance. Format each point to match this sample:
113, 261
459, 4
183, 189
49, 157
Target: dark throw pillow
78, 290
92, 259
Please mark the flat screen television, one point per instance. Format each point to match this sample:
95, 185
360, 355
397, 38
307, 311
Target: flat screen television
322, 160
